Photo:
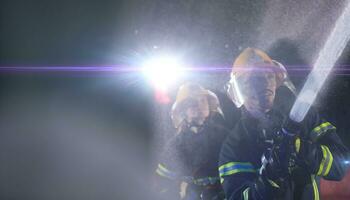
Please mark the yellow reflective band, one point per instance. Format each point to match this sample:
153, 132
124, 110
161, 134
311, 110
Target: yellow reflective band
162, 171
322, 161
230, 164
330, 162
162, 167
235, 171
318, 131
159, 172
297, 144
221, 180
273, 183
314, 185
323, 125
235, 167
246, 194
326, 162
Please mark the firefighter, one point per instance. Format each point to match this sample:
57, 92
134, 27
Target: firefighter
267, 156
189, 162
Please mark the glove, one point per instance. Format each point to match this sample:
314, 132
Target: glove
308, 154
278, 161
280, 157
273, 173
270, 182
262, 189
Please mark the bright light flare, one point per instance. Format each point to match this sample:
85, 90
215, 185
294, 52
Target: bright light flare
162, 72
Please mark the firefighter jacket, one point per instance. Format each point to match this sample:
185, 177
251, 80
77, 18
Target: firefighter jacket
241, 153
192, 158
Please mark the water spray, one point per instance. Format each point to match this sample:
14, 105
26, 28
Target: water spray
327, 58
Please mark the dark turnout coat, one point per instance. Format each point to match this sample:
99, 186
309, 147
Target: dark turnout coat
193, 158
240, 158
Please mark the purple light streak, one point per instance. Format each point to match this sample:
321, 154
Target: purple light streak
338, 70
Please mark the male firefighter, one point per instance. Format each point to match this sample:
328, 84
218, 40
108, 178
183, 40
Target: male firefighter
191, 157
267, 156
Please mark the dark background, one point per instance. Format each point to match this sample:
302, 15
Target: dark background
93, 135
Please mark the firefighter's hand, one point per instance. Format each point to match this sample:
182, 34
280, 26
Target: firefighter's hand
306, 154
262, 189
291, 128
309, 155
266, 183
275, 169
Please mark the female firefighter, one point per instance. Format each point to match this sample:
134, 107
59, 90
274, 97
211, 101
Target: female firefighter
189, 162
267, 156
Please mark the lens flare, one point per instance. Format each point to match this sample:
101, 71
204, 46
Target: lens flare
162, 72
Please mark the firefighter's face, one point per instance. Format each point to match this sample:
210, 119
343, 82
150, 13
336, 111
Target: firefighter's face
258, 88
197, 109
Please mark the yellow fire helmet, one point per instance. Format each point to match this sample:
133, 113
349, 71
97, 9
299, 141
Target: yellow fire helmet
192, 90
255, 58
